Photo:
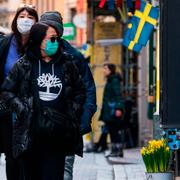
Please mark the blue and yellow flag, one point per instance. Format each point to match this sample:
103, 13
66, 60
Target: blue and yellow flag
140, 27
86, 50
131, 29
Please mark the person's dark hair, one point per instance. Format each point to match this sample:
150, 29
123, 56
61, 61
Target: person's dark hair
111, 67
32, 12
36, 36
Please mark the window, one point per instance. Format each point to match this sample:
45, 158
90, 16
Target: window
73, 13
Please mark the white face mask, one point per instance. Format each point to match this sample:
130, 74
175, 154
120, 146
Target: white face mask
24, 25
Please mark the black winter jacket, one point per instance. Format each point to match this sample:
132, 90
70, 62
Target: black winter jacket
112, 94
90, 104
6, 122
4, 48
18, 94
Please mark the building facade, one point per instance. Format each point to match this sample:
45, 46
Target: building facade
76, 9
8, 8
7, 11
46, 5
69, 9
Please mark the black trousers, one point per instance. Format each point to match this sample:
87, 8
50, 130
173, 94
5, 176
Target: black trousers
12, 168
103, 139
42, 164
12, 165
113, 129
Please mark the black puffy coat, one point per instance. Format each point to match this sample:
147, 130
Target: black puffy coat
4, 48
5, 121
18, 94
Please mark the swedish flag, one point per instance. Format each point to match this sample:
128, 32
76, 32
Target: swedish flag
140, 27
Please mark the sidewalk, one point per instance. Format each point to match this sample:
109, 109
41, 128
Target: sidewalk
130, 167
97, 167
2, 172
94, 166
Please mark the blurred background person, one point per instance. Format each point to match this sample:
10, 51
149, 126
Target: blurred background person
2, 156
12, 47
113, 108
1, 35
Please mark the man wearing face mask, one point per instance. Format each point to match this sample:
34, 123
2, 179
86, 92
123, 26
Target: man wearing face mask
12, 47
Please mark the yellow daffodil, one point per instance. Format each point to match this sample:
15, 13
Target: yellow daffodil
156, 155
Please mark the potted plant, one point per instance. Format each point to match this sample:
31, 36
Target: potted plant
156, 156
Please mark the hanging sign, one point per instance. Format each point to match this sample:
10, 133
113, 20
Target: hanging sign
69, 31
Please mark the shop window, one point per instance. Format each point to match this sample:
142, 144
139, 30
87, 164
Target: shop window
73, 13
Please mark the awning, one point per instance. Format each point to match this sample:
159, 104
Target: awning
108, 42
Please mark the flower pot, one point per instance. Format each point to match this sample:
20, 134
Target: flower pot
159, 176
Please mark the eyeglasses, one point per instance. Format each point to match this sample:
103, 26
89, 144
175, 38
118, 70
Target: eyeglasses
54, 38
27, 5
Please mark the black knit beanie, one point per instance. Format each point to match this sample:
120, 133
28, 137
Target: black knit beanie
53, 18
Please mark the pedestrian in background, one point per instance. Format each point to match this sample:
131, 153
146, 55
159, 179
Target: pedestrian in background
113, 108
2, 156
46, 92
12, 47
1, 35
89, 108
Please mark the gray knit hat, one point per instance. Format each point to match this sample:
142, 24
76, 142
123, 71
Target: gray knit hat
53, 18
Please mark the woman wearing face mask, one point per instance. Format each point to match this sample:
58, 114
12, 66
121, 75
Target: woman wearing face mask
12, 47
46, 93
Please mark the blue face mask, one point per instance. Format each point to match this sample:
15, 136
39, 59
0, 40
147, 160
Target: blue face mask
51, 47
